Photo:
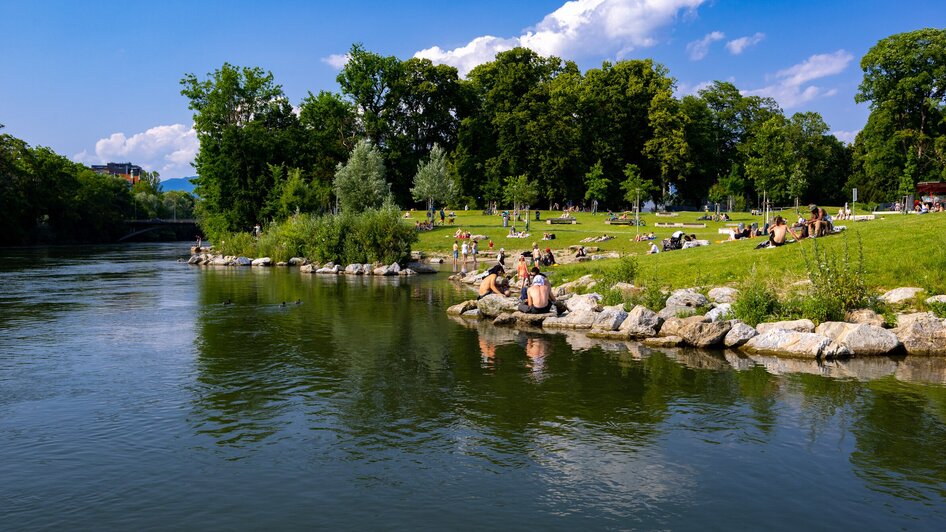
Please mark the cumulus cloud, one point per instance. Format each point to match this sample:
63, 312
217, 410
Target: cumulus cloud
336, 61
737, 46
846, 137
687, 89
791, 88
698, 49
579, 28
168, 149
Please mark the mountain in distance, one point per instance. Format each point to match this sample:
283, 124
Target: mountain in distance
178, 183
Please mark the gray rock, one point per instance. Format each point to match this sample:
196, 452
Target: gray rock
739, 334
297, 261
705, 334
610, 318
686, 297
566, 288
195, 259
406, 272
262, 261
578, 319
806, 326
326, 270
663, 341
792, 343
242, 261
674, 326
864, 315
354, 269
901, 295
584, 302
641, 322
923, 336
626, 289
723, 294
473, 314
723, 311
534, 320
505, 318
494, 304
904, 320
860, 338
676, 311
282, 263
936, 299
460, 308
220, 261
308, 268
420, 267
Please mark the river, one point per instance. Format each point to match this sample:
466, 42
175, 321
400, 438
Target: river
132, 397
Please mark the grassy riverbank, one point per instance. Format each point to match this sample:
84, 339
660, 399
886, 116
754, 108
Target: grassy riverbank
898, 250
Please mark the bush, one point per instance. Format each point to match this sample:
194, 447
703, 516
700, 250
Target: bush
625, 271
239, 244
652, 295
837, 279
756, 301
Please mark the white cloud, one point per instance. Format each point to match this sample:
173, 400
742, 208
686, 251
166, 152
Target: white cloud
687, 89
578, 28
168, 149
737, 46
791, 90
846, 137
336, 61
698, 49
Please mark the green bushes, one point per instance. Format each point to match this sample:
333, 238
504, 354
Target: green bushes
625, 271
756, 302
375, 235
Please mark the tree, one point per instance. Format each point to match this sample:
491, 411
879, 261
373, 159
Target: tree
359, 183
668, 146
596, 183
433, 182
519, 191
769, 159
635, 187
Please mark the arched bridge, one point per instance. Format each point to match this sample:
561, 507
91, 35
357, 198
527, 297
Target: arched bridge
139, 227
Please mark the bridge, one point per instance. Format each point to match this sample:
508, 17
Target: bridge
139, 227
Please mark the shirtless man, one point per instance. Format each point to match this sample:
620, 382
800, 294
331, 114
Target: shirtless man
539, 297
818, 223
490, 284
778, 232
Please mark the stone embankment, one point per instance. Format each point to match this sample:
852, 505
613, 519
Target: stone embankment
690, 318
413, 267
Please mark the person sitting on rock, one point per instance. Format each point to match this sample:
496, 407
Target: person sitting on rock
581, 252
820, 223
493, 282
539, 297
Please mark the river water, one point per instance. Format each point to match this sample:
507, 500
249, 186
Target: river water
131, 397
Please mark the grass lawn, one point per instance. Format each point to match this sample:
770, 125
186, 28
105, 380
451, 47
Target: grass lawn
899, 250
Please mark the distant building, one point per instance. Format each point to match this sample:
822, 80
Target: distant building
129, 172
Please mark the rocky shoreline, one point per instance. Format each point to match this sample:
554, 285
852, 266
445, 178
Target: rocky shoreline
203, 257
684, 321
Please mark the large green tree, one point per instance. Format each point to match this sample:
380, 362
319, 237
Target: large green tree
433, 182
359, 183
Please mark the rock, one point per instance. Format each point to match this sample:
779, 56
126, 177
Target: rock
860, 338
460, 308
354, 269
242, 261
195, 259
308, 268
641, 322
739, 334
282, 263
674, 326
723, 294
262, 261
610, 318
393, 269
326, 270
612, 255
220, 261
676, 311
864, 315
297, 261
578, 319
627, 289
663, 341
806, 326
906, 319
901, 295
723, 311
535, 320
700, 334
566, 288
420, 267
494, 304
941, 299
584, 302
686, 297
505, 318
923, 335
473, 314
793, 343
406, 272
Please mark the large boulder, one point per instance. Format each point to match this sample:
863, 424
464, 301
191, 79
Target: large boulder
460, 308
367, 269
220, 260
506, 318
864, 315
792, 343
473, 314
663, 341
584, 302
534, 320
641, 322
195, 259
700, 334
860, 338
723, 311
676, 311
626, 289
308, 268
242, 261
940, 299
578, 319
739, 334
297, 261
610, 318
406, 272
674, 326
923, 336
900, 295
806, 326
494, 304
686, 297
393, 269
906, 319
329, 269
354, 269
262, 261
566, 288
723, 294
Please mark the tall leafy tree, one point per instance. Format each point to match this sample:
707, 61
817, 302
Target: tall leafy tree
359, 183
433, 182
520, 191
596, 184
668, 146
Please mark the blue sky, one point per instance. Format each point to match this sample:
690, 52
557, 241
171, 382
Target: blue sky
99, 80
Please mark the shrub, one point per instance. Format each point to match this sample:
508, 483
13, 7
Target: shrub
837, 279
652, 295
239, 244
625, 271
937, 308
756, 301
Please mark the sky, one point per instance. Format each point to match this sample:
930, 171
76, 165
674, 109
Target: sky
99, 81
